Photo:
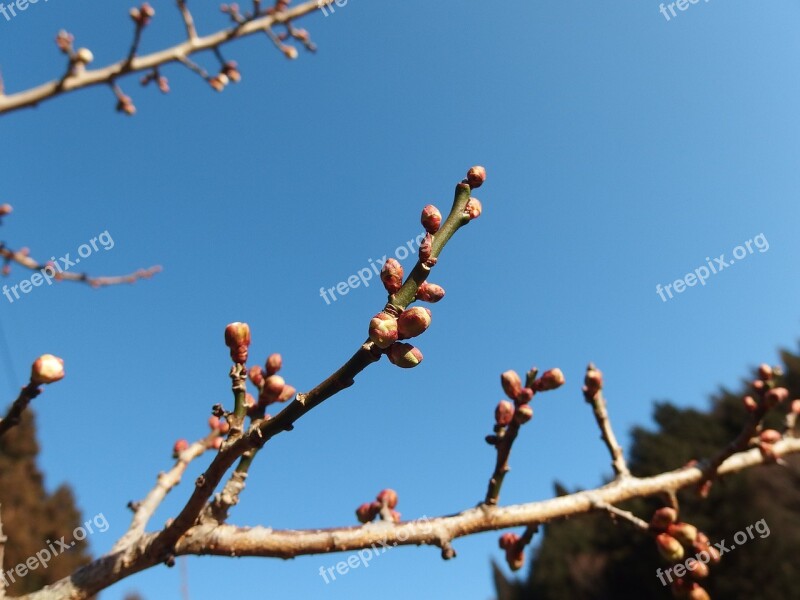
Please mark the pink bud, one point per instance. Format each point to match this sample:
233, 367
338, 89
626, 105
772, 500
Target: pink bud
273, 386
473, 208
388, 497
256, 376
431, 218
180, 446
425, 249
523, 414
383, 330
47, 369
663, 518
413, 322
796, 407
593, 382
430, 292
770, 436
224, 427
550, 380
366, 512
392, 276
508, 540
775, 396
525, 395
217, 443
764, 372
405, 356
5, 209
274, 363
504, 413
213, 423
476, 176
750, 404
512, 384
287, 393
685, 533
237, 338
669, 548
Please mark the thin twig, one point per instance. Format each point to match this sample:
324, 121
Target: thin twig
188, 21
593, 394
12, 418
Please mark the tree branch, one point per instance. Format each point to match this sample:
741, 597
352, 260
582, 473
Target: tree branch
12, 418
593, 393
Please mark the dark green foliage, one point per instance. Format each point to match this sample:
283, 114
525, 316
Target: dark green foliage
31, 517
592, 558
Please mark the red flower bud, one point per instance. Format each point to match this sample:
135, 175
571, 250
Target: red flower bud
476, 176
430, 292
287, 393
593, 382
425, 250
413, 322
213, 423
256, 376
670, 548
431, 218
663, 518
224, 427
273, 386
523, 414
796, 407
274, 363
515, 559
750, 404
685, 533
474, 208
525, 395
383, 330
217, 443
392, 276
404, 355
550, 380
775, 396
764, 372
47, 369
504, 413
5, 209
237, 338
512, 384
770, 436
180, 446
388, 497
508, 540
366, 512
698, 569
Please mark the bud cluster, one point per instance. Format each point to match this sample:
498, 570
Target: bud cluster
271, 387
515, 550
383, 505
142, 15
228, 73
385, 330
674, 541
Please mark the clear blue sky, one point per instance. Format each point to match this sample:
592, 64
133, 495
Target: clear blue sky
622, 150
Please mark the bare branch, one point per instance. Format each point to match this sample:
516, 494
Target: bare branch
593, 393
12, 418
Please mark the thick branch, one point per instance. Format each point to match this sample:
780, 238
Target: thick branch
105, 75
28, 393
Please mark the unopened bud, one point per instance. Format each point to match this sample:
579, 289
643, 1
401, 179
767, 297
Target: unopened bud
366, 512
508, 540
47, 369
217, 82
525, 395
180, 446
698, 569
6, 209
289, 52
431, 218
224, 427
685, 533
523, 414
796, 407
770, 436
387, 497
473, 208
287, 393
663, 518
237, 338
697, 593
84, 55
504, 413
426, 249
213, 423
392, 276
593, 382
669, 548
217, 443
775, 396
750, 404
764, 372
274, 363
512, 384
273, 386
256, 376
383, 330
430, 292
476, 176
551, 380
413, 322
404, 355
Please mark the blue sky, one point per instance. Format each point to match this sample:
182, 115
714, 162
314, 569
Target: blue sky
622, 150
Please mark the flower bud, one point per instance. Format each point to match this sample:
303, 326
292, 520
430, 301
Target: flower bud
217, 443
750, 404
237, 338
504, 413
213, 423
387, 497
515, 559
473, 208
366, 512
224, 427
697, 593
512, 384
413, 322
180, 446
764, 372
84, 56
593, 382
273, 386
430, 292
431, 218
775, 396
663, 518
551, 380
796, 407
289, 52
425, 249
523, 414
383, 330
287, 393
685, 533
256, 376
525, 395
6, 209
274, 363
476, 176
669, 548
770, 436
404, 355
508, 540
218, 82
47, 369
698, 569
392, 276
